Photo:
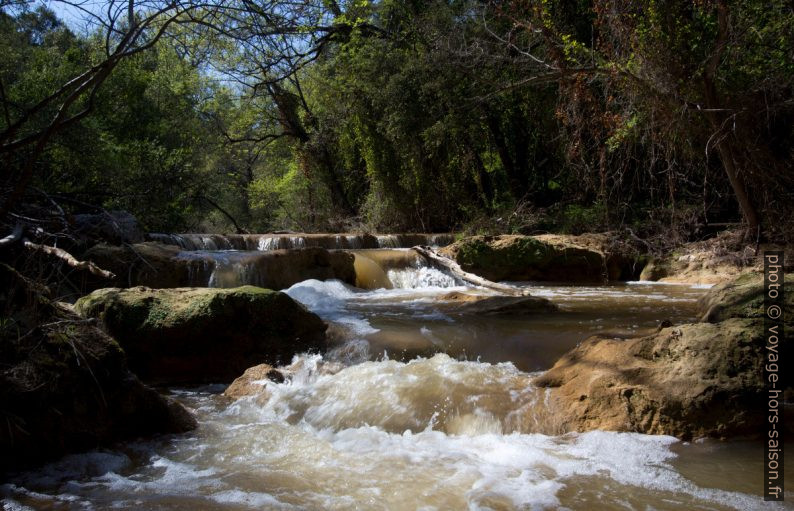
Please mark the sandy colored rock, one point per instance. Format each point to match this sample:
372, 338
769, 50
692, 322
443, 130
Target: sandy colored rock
253, 381
711, 261
64, 384
687, 381
194, 335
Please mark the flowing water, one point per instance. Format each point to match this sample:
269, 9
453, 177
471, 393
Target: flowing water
415, 406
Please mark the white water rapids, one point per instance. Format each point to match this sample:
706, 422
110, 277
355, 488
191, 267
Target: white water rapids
370, 425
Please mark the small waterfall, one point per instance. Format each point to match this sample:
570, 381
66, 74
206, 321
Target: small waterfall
265, 242
388, 241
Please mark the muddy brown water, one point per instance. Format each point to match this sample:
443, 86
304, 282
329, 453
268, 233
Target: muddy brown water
429, 412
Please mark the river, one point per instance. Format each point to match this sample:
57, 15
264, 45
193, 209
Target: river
416, 407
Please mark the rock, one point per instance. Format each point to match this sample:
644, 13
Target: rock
203, 335
114, 227
743, 297
167, 266
464, 303
253, 381
64, 384
687, 381
709, 261
586, 258
256, 380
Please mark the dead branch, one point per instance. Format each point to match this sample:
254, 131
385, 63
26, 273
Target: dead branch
70, 259
12, 238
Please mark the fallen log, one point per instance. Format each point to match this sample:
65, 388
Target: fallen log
445, 264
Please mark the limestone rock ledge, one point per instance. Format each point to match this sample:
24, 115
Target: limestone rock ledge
693, 380
563, 258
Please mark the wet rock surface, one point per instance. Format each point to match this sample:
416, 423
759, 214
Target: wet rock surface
168, 266
687, 381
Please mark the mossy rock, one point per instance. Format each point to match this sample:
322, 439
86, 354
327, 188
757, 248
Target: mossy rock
201, 335
513, 257
743, 297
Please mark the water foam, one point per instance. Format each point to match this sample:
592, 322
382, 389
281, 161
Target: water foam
302, 450
421, 278
328, 299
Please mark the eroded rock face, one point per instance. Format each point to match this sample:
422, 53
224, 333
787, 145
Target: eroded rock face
703, 379
586, 258
193, 335
168, 266
64, 383
743, 297
687, 381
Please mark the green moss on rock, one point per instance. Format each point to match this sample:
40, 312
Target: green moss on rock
528, 258
743, 297
190, 335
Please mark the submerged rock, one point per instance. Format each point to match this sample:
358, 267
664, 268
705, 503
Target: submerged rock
687, 381
586, 258
64, 384
465, 303
192, 335
168, 266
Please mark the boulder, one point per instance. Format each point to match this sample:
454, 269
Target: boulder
465, 303
257, 380
687, 381
743, 297
586, 258
64, 384
203, 335
168, 266
253, 381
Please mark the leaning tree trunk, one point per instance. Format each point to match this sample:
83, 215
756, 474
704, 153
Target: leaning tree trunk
724, 144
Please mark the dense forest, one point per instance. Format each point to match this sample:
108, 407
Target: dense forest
478, 116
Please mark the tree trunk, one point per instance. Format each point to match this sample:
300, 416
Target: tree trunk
713, 107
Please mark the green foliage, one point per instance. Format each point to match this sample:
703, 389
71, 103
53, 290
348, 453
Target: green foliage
414, 117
